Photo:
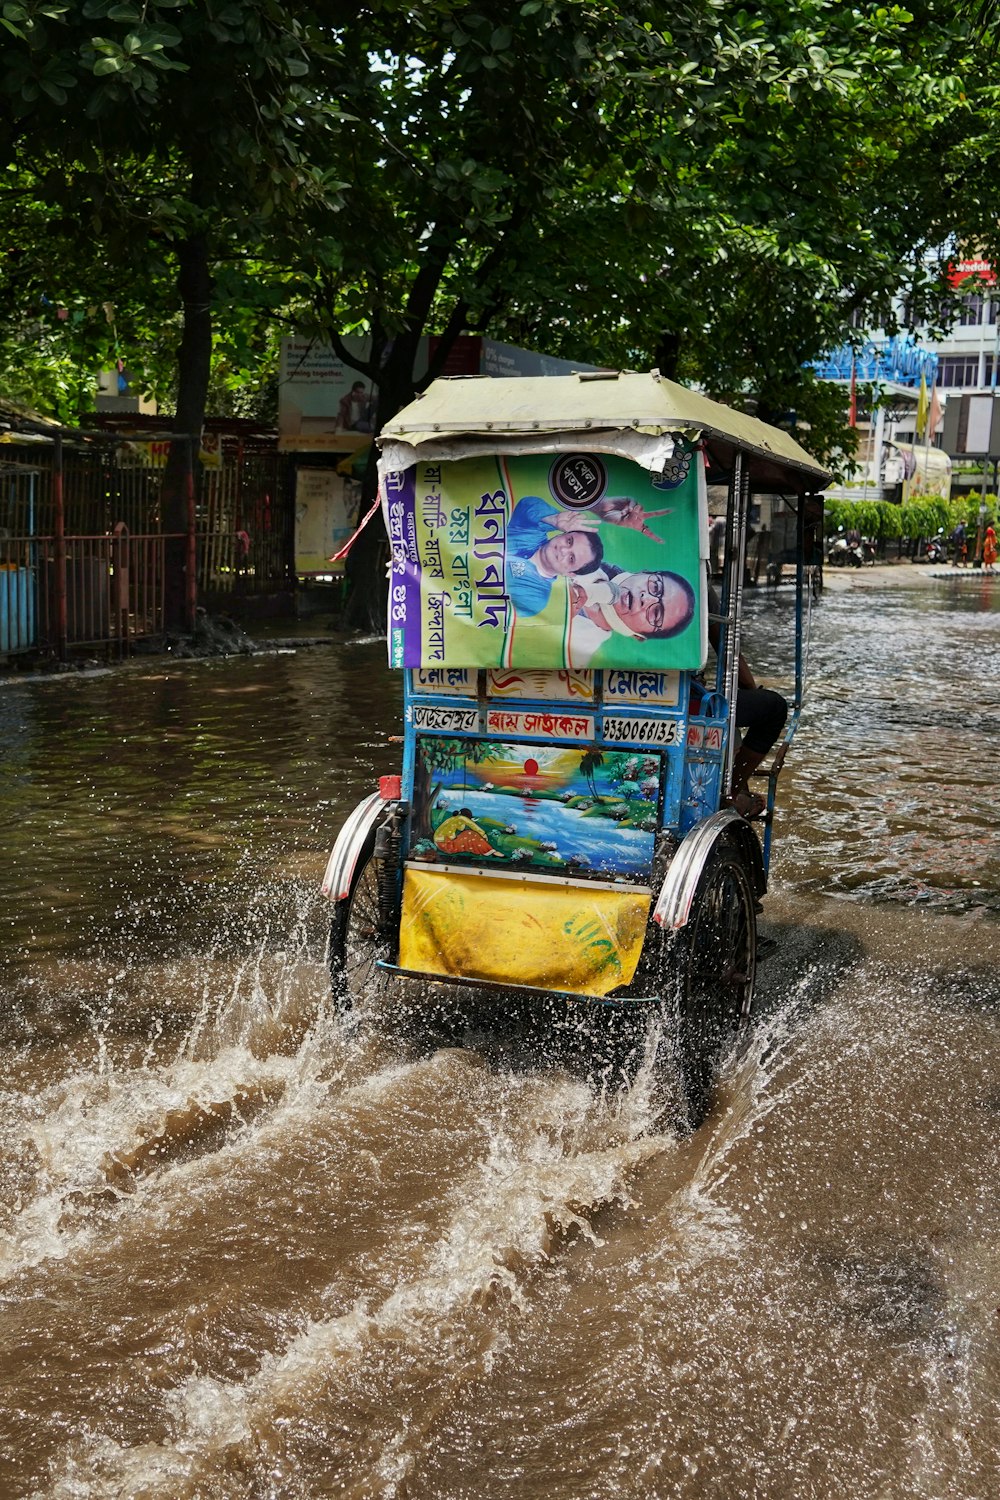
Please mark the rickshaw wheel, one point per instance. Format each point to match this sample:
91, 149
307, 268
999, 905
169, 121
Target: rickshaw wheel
712, 963
357, 940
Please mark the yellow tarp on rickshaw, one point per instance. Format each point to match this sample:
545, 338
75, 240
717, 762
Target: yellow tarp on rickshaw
574, 938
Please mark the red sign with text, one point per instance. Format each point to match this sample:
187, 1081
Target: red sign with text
961, 270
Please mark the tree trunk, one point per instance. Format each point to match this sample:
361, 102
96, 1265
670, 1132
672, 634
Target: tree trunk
366, 605
194, 283
667, 355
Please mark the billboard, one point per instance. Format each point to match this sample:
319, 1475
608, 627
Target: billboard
325, 403
960, 271
924, 471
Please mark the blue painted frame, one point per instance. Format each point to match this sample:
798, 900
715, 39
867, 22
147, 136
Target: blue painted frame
693, 746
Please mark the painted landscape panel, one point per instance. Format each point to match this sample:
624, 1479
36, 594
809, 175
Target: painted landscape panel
563, 809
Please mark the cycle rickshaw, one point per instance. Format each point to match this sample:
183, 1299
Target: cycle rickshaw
561, 824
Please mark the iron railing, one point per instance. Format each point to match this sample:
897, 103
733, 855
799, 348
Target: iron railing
84, 559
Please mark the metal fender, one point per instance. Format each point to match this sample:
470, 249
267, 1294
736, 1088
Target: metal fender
351, 841
673, 906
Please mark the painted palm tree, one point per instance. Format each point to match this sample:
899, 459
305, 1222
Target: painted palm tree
589, 762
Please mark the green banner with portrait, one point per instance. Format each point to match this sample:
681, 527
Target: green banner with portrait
572, 560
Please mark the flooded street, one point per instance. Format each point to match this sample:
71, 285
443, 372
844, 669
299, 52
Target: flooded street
250, 1250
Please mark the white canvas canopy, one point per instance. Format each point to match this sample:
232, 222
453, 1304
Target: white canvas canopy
633, 415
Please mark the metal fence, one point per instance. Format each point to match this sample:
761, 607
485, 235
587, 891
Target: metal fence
83, 557
96, 591
245, 525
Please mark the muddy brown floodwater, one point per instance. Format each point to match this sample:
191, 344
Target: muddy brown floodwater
249, 1251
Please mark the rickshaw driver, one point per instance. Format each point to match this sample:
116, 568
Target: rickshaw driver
655, 606
760, 713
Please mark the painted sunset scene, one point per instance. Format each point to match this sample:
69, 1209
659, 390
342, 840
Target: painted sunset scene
582, 809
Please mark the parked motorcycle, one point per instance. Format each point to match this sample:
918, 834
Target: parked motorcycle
845, 551
936, 550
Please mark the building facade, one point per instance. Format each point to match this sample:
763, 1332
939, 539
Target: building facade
960, 371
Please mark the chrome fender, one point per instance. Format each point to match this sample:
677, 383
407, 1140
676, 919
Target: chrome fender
673, 905
351, 841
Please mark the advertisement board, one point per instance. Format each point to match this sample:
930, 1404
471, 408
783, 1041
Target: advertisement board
576, 560
925, 471
324, 403
327, 404
326, 513
961, 270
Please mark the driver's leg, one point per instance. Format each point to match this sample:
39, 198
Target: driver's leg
761, 712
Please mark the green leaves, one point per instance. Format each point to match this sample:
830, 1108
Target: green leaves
136, 53
877, 519
23, 19
723, 193
185, 120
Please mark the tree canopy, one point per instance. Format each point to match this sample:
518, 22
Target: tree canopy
719, 197
150, 152
722, 191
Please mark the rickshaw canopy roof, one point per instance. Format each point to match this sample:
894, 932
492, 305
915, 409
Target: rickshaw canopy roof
501, 410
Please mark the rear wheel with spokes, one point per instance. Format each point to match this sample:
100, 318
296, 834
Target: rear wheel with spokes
709, 968
357, 938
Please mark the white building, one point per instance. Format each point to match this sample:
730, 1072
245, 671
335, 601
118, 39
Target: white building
962, 366
968, 371
882, 381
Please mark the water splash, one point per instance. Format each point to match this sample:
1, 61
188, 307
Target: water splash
543, 1179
